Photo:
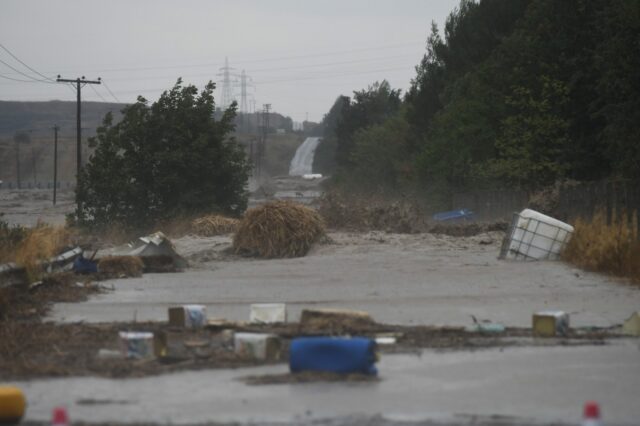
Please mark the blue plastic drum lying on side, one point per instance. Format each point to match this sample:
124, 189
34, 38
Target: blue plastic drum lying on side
335, 355
461, 215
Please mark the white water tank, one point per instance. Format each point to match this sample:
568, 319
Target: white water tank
535, 236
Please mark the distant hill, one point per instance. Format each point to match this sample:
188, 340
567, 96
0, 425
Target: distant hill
40, 117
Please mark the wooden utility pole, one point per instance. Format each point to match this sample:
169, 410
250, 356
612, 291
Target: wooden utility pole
80, 82
55, 162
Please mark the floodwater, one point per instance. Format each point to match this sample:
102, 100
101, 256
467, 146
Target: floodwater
515, 386
302, 162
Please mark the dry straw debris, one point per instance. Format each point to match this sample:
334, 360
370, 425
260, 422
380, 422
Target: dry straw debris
40, 244
120, 266
278, 229
212, 225
611, 248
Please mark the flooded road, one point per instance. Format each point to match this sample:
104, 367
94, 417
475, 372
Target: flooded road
511, 386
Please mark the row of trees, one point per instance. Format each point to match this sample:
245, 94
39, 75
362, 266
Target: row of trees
517, 93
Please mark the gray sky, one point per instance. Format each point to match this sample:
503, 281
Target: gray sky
300, 54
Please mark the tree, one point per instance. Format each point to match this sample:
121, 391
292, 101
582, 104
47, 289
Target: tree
368, 107
163, 161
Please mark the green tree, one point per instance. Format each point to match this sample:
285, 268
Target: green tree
368, 107
162, 161
534, 137
617, 60
380, 155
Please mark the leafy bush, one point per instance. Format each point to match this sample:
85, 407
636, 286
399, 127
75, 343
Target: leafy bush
163, 161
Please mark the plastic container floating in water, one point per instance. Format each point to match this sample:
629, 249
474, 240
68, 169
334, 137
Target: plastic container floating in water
188, 316
257, 345
535, 236
550, 323
137, 344
12, 405
461, 215
268, 313
334, 355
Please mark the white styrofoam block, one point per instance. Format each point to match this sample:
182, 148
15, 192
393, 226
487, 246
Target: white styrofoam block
268, 313
257, 345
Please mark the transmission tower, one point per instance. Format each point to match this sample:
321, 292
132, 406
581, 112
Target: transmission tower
226, 96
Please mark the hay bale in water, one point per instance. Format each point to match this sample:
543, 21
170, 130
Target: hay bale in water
278, 229
212, 225
120, 266
334, 321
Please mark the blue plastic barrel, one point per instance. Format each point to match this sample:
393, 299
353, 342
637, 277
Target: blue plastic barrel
454, 216
333, 354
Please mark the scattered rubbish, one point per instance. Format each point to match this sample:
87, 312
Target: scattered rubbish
334, 321
82, 265
157, 245
312, 176
139, 345
486, 327
258, 346
550, 323
535, 236
63, 259
59, 417
120, 266
212, 225
188, 316
385, 340
12, 405
308, 377
219, 323
109, 354
591, 415
268, 313
332, 354
632, 325
12, 274
461, 215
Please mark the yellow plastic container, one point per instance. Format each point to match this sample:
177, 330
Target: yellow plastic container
12, 404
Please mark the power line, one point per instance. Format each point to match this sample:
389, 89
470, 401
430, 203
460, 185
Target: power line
17, 59
24, 74
96, 92
22, 81
110, 92
275, 59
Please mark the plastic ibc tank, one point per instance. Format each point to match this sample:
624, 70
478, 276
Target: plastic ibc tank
536, 236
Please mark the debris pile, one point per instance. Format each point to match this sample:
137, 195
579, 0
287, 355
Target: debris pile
372, 213
212, 225
278, 229
120, 267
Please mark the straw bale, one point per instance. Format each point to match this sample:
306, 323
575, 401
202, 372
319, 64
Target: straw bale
212, 225
120, 266
278, 229
334, 321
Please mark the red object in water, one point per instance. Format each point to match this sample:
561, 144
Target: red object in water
60, 417
591, 410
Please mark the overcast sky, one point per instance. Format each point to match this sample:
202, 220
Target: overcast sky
299, 54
